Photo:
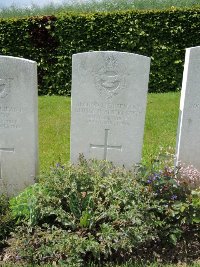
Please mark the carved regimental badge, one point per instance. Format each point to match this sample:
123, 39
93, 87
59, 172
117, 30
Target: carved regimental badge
109, 79
4, 87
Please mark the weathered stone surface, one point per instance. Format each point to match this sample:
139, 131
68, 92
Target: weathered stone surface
109, 91
188, 136
18, 124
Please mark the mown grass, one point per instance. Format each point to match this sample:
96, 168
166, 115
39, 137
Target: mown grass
54, 127
94, 6
54, 130
161, 124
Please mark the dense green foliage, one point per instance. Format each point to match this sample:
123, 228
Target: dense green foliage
6, 219
51, 41
84, 213
96, 212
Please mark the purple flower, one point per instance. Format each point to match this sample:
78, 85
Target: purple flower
156, 176
174, 197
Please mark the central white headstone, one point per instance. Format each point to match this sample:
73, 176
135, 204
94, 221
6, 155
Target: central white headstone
109, 91
188, 137
18, 124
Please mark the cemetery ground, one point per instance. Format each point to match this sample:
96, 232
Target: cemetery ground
172, 214
54, 127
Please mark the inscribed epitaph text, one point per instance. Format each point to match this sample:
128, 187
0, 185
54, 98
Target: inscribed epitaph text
109, 91
18, 124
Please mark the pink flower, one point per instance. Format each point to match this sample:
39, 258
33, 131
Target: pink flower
188, 175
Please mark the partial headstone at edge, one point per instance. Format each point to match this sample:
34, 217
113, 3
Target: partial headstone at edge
188, 134
18, 124
109, 93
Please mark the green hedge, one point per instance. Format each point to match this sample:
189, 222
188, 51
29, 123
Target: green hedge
51, 41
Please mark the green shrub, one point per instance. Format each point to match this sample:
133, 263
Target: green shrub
196, 205
23, 206
96, 212
175, 201
7, 223
51, 41
84, 213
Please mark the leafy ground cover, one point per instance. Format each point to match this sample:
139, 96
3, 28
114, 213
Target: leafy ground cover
130, 264
54, 127
87, 214
94, 6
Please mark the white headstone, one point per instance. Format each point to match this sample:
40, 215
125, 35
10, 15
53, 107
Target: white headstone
18, 124
109, 91
188, 136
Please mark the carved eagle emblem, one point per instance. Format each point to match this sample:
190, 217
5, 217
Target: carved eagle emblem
109, 79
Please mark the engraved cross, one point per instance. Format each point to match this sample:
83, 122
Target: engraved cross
106, 146
4, 150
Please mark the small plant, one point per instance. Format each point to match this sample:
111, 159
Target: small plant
6, 220
89, 212
188, 176
23, 205
97, 213
174, 201
196, 205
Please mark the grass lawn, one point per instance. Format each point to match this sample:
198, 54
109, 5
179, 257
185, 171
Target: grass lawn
161, 123
54, 127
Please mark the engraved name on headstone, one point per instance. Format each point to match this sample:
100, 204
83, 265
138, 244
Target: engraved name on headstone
18, 124
188, 136
109, 91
